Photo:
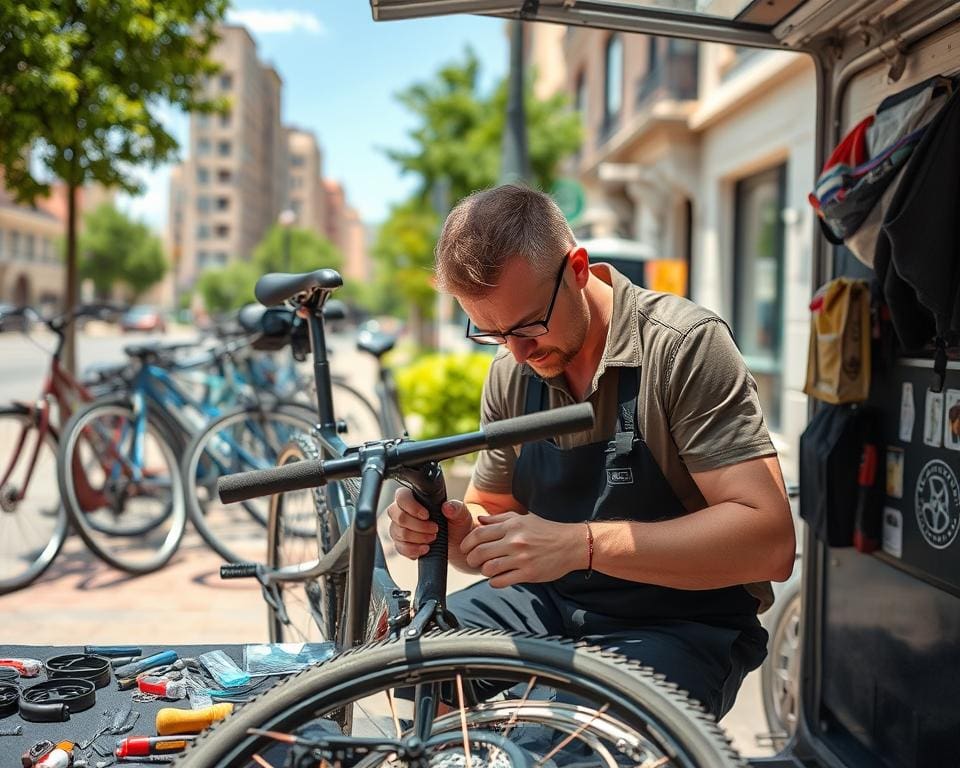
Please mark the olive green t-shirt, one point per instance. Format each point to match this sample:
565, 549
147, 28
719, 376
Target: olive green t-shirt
697, 408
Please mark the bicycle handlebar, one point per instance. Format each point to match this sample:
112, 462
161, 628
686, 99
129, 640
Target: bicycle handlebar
310, 474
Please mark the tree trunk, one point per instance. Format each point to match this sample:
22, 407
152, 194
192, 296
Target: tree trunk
70, 289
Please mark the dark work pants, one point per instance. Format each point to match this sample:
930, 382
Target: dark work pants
708, 662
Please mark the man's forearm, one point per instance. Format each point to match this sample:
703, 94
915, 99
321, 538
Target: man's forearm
719, 546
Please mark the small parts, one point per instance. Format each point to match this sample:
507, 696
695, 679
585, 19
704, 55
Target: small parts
24, 667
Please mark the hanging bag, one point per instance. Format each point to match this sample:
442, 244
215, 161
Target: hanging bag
838, 362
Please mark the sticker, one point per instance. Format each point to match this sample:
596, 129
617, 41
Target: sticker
892, 532
908, 412
951, 424
933, 419
894, 472
937, 504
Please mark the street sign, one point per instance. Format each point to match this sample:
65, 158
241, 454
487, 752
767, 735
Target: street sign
570, 197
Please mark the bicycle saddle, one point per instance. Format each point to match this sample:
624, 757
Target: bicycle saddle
277, 287
376, 343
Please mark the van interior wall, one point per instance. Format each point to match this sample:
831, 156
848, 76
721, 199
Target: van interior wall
889, 648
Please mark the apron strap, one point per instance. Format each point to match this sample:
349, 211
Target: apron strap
535, 392
628, 429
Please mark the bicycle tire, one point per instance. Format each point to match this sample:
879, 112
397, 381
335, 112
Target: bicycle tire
119, 548
24, 433
322, 599
780, 671
634, 695
361, 418
219, 525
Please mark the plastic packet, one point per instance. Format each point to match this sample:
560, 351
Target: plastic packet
284, 658
224, 669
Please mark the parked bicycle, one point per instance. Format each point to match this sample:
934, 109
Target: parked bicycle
33, 522
427, 693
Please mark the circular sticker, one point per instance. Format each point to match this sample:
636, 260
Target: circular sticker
937, 504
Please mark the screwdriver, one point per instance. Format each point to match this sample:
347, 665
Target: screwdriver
139, 746
26, 667
173, 721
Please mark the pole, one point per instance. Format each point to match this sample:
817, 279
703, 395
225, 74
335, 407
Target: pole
286, 248
515, 157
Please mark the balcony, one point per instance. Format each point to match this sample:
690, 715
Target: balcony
674, 77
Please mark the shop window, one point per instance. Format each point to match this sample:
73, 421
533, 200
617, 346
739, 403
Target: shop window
612, 83
758, 283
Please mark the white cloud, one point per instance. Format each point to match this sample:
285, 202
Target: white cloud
277, 21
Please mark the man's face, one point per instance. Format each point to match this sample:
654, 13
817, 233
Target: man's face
523, 296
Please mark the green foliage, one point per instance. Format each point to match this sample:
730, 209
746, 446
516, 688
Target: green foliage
460, 131
115, 249
308, 251
442, 392
84, 84
229, 288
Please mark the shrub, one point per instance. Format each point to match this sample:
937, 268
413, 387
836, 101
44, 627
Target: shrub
440, 393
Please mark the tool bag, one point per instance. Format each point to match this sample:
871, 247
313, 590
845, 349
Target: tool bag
838, 360
858, 181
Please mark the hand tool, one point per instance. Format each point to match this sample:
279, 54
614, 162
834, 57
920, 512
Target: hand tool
174, 721
57, 758
122, 660
31, 756
26, 667
134, 668
162, 687
139, 746
113, 650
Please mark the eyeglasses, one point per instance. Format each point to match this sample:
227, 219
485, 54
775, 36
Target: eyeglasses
524, 330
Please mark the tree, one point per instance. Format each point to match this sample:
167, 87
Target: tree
460, 131
228, 288
82, 86
308, 251
115, 249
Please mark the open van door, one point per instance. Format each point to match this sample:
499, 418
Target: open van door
881, 630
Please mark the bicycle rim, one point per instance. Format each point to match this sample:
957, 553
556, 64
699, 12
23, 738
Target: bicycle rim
302, 527
246, 439
130, 513
33, 522
567, 704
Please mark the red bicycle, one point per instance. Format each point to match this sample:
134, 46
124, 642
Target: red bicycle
33, 522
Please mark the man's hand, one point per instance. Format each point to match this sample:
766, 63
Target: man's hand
412, 530
510, 548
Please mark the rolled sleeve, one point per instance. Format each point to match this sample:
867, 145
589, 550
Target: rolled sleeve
714, 410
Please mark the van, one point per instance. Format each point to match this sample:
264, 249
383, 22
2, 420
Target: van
879, 630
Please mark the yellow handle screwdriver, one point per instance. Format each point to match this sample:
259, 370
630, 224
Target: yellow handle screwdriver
171, 720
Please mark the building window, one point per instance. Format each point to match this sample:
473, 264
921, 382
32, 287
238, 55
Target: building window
3, 241
203, 147
223, 203
203, 204
203, 175
223, 230
612, 83
653, 55
203, 120
203, 231
297, 161
221, 258
14, 245
226, 81
224, 148
758, 283
225, 120
224, 176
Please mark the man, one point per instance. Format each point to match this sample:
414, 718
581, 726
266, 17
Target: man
656, 533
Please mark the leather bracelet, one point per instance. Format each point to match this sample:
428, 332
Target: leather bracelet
54, 700
80, 666
9, 698
589, 551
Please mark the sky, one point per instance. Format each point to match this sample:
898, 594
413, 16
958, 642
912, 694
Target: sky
340, 72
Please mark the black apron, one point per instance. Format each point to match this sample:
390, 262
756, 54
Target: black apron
616, 480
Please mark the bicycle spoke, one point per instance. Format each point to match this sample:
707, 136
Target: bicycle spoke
523, 700
463, 722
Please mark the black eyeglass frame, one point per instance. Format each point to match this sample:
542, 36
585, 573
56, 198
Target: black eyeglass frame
523, 330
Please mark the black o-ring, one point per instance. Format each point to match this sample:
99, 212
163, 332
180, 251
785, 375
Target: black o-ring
9, 699
75, 694
81, 666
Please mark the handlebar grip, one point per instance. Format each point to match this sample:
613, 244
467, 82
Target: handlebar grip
536, 426
238, 570
264, 482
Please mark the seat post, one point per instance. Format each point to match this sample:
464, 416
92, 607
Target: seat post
321, 367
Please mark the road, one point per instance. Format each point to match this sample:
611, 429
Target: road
81, 601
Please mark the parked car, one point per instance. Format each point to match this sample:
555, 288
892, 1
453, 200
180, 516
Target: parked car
18, 322
143, 318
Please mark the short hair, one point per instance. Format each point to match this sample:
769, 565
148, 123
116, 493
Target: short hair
490, 227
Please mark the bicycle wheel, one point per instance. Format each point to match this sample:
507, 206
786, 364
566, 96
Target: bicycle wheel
601, 710
357, 412
302, 527
248, 438
33, 522
120, 483
780, 672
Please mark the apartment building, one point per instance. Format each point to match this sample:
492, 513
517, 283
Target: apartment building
706, 152
305, 191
